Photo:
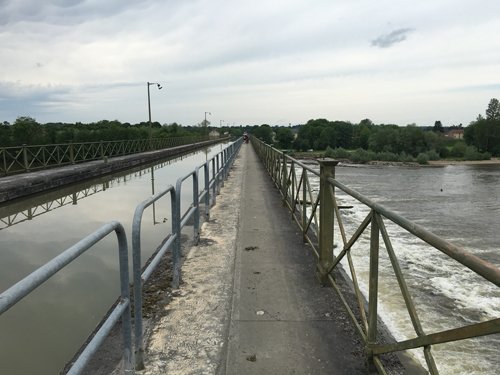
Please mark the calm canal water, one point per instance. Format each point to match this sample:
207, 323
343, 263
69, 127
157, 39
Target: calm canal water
459, 203
42, 332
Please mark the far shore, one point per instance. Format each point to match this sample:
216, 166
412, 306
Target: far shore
444, 162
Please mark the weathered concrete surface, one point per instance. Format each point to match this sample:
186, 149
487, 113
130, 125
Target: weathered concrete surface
190, 336
20, 185
282, 321
249, 302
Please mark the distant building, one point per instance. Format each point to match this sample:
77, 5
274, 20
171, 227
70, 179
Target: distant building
455, 133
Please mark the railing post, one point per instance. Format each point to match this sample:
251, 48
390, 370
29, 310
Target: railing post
4, 160
371, 337
218, 173
223, 167
176, 230
206, 171
304, 205
101, 148
214, 188
71, 153
25, 158
284, 184
326, 216
196, 203
292, 197
125, 296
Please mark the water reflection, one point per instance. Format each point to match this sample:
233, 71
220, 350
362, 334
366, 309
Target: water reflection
30, 208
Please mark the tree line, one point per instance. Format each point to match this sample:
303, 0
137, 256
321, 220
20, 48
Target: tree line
368, 141
26, 130
481, 138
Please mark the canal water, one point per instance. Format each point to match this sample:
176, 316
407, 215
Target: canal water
460, 204
41, 333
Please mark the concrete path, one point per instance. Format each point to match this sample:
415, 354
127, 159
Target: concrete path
282, 321
249, 302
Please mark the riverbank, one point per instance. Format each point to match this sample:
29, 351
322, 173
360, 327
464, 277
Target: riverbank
431, 163
444, 162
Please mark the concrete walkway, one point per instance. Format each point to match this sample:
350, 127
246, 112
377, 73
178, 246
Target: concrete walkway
249, 302
282, 321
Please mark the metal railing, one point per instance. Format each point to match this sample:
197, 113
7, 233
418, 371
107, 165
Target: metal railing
20, 159
122, 310
298, 195
219, 165
215, 172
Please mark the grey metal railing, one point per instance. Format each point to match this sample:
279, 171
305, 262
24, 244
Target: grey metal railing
19, 159
122, 310
215, 172
219, 167
297, 193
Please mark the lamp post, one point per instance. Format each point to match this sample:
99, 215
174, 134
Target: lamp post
205, 123
149, 111
220, 123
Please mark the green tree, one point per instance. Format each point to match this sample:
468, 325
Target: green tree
284, 137
438, 127
5, 135
493, 110
26, 130
385, 138
484, 133
264, 133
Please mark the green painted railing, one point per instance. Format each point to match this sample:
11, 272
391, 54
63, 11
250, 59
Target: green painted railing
293, 180
20, 159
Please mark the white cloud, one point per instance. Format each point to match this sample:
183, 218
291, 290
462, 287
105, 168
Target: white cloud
248, 62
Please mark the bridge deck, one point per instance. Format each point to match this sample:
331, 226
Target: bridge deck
282, 321
249, 302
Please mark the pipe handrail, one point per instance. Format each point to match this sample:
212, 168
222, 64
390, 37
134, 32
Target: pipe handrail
179, 221
25, 286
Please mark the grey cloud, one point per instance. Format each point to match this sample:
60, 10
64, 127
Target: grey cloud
37, 100
63, 11
29, 100
396, 36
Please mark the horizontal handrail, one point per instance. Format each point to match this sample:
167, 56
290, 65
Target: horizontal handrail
25, 158
471, 261
25, 286
292, 179
220, 163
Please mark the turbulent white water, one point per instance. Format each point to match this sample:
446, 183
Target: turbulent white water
460, 204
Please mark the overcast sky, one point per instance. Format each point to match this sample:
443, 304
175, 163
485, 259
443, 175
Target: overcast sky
249, 62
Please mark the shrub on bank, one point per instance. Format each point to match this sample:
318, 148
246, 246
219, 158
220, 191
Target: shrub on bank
432, 155
387, 156
471, 153
363, 156
422, 158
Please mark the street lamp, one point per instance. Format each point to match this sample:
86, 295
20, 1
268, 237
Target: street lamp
220, 123
149, 110
205, 123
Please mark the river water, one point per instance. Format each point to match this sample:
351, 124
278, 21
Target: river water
42, 332
460, 204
